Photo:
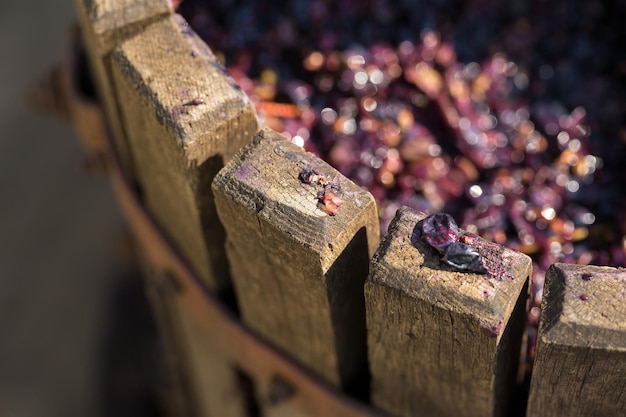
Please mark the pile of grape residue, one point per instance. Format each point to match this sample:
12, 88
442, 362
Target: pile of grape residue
508, 115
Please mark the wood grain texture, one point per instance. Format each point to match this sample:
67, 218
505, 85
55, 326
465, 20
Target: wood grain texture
104, 24
298, 272
112, 21
176, 397
580, 366
200, 381
213, 380
179, 144
441, 343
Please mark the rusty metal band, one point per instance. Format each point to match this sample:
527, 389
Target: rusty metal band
259, 359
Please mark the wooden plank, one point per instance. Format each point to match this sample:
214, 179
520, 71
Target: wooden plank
104, 24
202, 382
298, 271
177, 398
256, 358
441, 342
183, 117
580, 366
214, 381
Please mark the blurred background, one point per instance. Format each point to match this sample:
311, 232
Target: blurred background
64, 284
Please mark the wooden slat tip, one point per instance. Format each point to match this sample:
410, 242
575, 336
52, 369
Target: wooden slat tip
420, 272
435, 333
581, 343
113, 21
298, 269
188, 89
585, 305
267, 177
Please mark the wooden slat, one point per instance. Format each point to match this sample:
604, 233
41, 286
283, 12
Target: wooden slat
214, 385
580, 366
112, 21
183, 117
176, 398
441, 343
256, 358
298, 271
104, 24
203, 383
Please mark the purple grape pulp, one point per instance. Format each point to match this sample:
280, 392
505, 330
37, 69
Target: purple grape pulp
439, 230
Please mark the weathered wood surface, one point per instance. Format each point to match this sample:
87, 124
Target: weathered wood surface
104, 24
203, 383
214, 381
298, 272
183, 117
112, 21
580, 366
176, 397
441, 343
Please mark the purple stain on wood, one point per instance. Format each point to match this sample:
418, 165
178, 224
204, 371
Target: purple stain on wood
309, 176
335, 187
492, 329
493, 260
186, 30
178, 111
246, 171
487, 293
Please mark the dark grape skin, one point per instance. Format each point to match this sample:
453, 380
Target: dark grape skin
462, 250
440, 230
464, 257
